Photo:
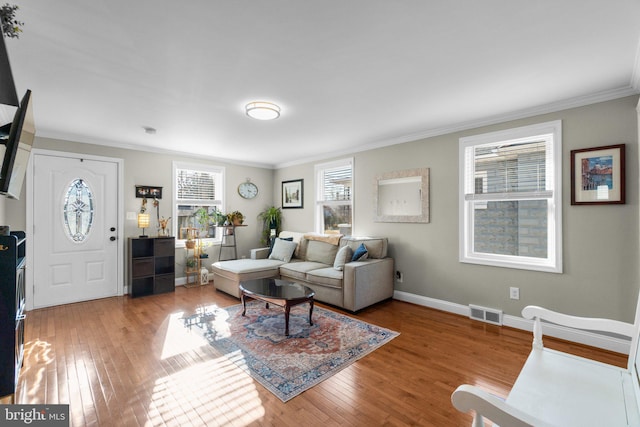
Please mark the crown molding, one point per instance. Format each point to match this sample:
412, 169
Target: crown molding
63, 136
567, 104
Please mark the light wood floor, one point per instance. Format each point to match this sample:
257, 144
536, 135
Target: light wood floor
124, 362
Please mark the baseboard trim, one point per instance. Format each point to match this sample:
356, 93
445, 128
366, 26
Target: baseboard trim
618, 345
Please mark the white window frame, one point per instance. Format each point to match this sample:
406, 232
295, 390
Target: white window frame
552, 132
319, 196
218, 202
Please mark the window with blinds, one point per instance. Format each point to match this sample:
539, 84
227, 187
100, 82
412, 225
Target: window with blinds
510, 207
199, 194
193, 184
334, 197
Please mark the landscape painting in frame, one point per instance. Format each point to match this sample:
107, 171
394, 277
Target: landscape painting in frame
597, 175
292, 194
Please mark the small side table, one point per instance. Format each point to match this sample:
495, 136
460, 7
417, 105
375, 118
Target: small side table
228, 240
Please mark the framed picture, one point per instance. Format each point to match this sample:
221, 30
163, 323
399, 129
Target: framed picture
597, 175
292, 194
148, 192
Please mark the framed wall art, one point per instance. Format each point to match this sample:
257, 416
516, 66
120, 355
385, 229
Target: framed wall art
292, 194
598, 175
148, 192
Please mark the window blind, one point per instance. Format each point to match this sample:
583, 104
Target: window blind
509, 171
195, 185
336, 185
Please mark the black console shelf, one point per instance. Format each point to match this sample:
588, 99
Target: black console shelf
151, 265
12, 310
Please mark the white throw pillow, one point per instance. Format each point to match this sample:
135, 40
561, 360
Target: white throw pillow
342, 257
283, 250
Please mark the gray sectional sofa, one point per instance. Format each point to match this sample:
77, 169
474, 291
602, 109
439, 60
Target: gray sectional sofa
321, 263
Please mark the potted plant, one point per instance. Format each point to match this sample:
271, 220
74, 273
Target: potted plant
10, 25
205, 219
235, 218
271, 219
218, 217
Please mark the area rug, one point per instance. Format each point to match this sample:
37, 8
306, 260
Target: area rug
287, 366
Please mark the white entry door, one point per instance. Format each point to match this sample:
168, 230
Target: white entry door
75, 212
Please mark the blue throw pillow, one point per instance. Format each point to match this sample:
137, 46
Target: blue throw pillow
361, 253
273, 241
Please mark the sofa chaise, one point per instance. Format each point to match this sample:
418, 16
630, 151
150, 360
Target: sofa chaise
324, 263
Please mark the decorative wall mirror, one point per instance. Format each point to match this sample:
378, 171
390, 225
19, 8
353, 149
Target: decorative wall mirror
402, 196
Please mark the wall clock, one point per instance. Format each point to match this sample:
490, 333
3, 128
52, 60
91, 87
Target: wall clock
248, 190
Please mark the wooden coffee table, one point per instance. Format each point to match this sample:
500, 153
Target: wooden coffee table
278, 292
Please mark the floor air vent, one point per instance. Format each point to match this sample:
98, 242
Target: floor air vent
485, 314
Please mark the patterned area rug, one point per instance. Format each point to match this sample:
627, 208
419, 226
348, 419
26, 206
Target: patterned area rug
287, 366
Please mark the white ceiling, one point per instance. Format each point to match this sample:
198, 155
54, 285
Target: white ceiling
348, 75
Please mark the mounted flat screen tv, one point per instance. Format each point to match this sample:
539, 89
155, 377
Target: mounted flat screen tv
16, 139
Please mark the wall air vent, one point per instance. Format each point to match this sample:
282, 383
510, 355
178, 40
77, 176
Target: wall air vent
484, 314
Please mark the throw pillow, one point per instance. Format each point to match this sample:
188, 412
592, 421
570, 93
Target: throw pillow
360, 254
283, 250
342, 257
273, 241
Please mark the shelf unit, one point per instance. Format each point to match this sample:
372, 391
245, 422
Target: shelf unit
151, 265
229, 241
12, 310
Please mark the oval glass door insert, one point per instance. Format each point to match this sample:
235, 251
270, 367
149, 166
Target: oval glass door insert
78, 210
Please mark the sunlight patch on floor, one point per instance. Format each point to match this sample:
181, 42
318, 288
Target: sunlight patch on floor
215, 392
38, 354
182, 332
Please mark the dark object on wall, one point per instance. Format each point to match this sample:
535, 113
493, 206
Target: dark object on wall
293, 194
148, 192
598, 175
12, 310
17, 144
8, 94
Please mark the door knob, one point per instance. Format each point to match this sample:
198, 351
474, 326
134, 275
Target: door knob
112, 229
112, 238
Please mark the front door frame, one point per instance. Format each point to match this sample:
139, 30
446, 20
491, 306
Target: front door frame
29, 284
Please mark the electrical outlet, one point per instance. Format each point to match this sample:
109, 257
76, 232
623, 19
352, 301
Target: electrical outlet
399, 277
514, 293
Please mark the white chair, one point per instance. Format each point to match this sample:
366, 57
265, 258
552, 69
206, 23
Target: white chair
560, 389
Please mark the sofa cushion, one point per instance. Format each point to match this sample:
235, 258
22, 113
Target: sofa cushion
283, 250
299, 270
297, 237
326, 276
360, 254
376, 246
248, 265
342, 257
323, 252
273, 242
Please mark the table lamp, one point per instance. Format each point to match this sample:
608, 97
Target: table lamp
143, 222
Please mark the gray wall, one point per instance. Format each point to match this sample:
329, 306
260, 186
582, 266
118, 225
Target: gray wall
600, 242
144, 168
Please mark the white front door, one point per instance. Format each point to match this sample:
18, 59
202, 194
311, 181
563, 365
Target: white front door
75, 229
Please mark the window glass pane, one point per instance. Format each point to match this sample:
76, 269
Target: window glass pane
190, 219
78, 210
512, 168
517, 228
337, 218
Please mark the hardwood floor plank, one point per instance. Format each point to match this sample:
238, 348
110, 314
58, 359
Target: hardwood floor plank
131, 362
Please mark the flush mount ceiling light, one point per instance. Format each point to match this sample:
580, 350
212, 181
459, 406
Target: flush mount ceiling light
262, 110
